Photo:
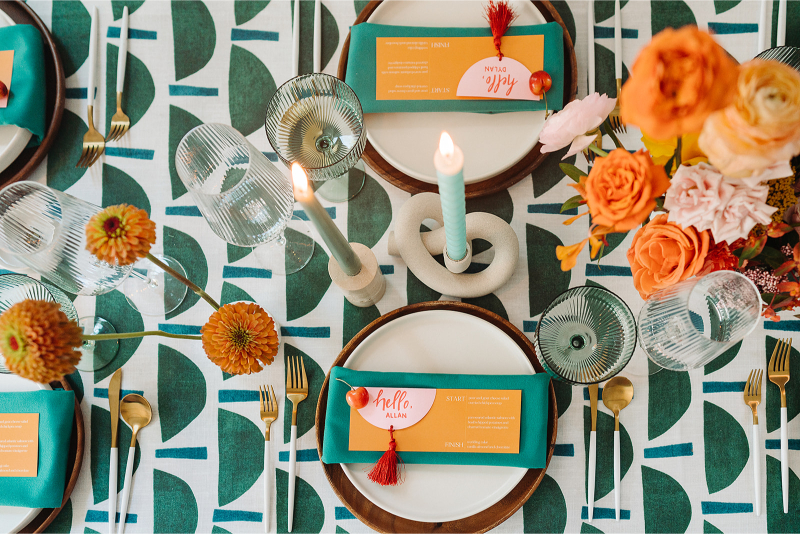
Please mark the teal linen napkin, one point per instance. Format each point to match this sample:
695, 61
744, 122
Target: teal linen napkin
533, 424
56, 410
26, 103
361, 68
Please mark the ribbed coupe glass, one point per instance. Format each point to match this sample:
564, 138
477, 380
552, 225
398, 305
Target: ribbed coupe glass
15, 288
687, 325
244, 198
586, 335
316, 120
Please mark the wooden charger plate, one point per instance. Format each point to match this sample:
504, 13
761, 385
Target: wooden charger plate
74, 462
499, 182
383, 521
31, 157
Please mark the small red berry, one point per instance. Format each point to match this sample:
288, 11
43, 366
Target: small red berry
3, 90
357, 398
540, 82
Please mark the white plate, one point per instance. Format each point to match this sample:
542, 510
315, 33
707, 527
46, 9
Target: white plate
408, 140
13, 139
439, 341
13, 518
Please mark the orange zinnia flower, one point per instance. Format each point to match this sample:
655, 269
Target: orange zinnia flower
38, 341
120, 234
240, 337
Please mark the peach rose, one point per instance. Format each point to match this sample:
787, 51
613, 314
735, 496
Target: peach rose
664, 253
677, 81
761, 127
621, 189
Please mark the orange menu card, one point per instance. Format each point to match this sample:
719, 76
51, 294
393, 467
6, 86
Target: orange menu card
19, 444
438, 420
431, 68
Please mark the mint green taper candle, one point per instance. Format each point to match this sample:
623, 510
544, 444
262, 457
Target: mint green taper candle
449, 163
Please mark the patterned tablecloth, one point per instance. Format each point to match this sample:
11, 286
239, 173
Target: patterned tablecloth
685, 454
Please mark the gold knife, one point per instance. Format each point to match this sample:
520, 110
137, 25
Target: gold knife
592, 449
113, 405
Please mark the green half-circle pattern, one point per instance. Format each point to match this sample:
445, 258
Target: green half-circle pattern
721, 6
114, 308
563, 395
777, 521
369, 214
244, 10
723, 359
237, 253
71, 27
708, 528
547, 175
667, 508
359, 5
139, 92
219, 530
305, 288
174, 504
773, 402
189, 253
546, 510
118, 5
546, 280
356, 318
792, 23
673, 385
489, 302
726, 447
312, 516
65, 152
250, 88
330, 36
63, 521
316, 376
670, 14
232, 293
101, 452
241, 455
604, 473
120, 188
586, 528
604, 77
194, 36
604, 9
566, 15
499, 204
416, 291
181, 391
180, 122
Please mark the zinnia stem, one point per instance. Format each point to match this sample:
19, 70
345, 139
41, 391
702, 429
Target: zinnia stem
598, 151
194, 287
128, 335
678, 150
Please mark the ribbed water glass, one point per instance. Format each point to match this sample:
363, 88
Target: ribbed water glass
316, 120
245, 199
687, 325
586, 335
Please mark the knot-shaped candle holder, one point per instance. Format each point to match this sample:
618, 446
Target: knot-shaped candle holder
419, 248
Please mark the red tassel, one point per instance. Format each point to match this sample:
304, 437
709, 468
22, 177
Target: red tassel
387, 471
500, 17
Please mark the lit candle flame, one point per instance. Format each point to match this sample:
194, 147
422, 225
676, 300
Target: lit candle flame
299, 178
446, 145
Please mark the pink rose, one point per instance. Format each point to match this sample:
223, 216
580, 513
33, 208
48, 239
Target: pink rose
570, 125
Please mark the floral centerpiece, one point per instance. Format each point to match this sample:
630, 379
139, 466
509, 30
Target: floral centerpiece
715, 188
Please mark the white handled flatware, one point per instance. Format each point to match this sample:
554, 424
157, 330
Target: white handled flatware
778, 374
590, 40
137, 413
781, 34
617, 394
296, 39
592, 450
318, 36
752, 397
113, 457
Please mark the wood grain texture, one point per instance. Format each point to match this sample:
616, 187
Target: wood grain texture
74, 462
381, 520
31, 157
505, 179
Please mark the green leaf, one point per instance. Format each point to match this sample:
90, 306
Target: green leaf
572, 171
772, 257
181, 391
174, 504
572, 203
726, 447
606, 126
250, 88
194, 36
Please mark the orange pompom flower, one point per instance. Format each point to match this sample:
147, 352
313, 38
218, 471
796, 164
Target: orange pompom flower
38, 341
240, 337
677, 81
120, 234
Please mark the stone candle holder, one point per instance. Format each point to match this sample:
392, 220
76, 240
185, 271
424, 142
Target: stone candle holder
368, 286
419, 248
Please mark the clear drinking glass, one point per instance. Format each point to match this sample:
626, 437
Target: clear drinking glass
687, 325
45, 230
586, 335
15, 288
244, 198
316, 121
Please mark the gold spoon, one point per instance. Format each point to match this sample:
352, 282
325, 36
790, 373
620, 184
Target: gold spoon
617, 394
136, 412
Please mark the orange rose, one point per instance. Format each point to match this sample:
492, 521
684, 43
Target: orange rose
677, 81
762, 127
664, 253
621, 189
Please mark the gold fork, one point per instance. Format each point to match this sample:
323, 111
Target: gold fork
269, 413
614, 117
778, 373
120, 123
296, 391
93, 142
752, 397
